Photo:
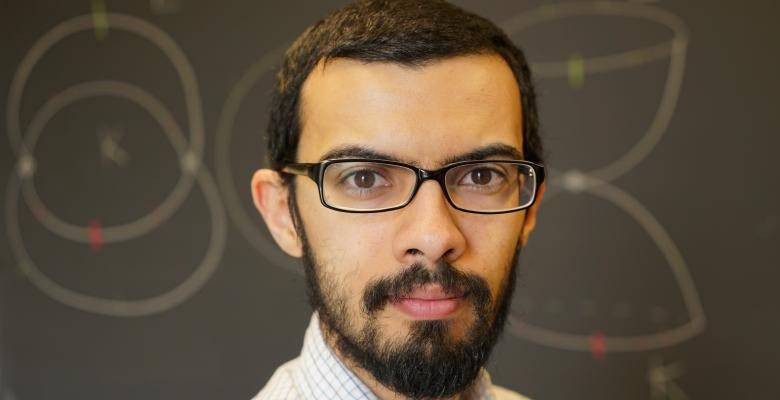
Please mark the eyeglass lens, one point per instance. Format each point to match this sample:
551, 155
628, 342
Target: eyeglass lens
487, 186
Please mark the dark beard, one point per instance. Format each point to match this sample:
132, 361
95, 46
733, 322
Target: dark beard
427, 364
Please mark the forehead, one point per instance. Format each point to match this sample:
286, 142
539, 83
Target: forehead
421, 114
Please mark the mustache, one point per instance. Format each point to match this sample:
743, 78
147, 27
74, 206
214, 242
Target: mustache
388, 289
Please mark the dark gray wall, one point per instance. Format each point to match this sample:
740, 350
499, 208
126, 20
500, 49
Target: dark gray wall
128, 275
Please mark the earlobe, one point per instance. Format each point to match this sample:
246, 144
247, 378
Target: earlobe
269, 194
529, 223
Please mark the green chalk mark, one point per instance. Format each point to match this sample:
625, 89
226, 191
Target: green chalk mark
576, 71
99, 19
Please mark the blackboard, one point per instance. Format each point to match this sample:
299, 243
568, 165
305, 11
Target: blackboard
134, 265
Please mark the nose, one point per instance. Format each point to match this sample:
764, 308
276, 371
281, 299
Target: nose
428, 231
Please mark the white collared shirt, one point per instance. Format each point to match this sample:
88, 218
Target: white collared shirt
318, 374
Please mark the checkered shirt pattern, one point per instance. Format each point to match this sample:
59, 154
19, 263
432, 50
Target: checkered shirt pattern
318, 374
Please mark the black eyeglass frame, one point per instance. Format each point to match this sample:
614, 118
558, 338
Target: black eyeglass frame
316, 171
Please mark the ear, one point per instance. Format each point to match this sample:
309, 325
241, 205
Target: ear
270, 196
529, 223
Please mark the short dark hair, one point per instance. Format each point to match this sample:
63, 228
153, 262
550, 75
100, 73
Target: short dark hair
408, 32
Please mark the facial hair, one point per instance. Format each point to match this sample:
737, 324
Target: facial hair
427, 363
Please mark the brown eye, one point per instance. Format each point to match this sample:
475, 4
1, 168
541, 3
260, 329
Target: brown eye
481, 176
364, 179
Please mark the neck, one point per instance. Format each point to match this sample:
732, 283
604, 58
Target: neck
381, 391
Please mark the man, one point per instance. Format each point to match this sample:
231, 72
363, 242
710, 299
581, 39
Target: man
405, 172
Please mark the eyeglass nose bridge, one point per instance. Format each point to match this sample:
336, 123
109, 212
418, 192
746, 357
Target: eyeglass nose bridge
437, 175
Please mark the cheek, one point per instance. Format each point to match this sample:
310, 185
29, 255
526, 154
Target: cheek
352, 249
492, 241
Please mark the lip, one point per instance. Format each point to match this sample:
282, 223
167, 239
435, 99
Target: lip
431, 292
429, 302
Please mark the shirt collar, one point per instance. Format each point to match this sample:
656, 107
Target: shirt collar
324, 376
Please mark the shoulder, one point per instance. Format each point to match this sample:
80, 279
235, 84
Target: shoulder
501, 393
281, 386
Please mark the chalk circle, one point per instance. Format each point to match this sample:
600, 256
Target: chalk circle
577, 183
675, 50
116, 21
109, 234
251, 232
189, 157
115, 307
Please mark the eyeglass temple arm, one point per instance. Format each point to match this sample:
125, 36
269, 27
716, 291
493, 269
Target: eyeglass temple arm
310, 170
540, 173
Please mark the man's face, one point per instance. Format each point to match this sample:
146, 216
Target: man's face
386, 279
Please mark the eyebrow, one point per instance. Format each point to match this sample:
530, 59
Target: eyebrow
480, 153
485, 152
355, 151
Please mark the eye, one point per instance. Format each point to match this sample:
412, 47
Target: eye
482, 176
364, 179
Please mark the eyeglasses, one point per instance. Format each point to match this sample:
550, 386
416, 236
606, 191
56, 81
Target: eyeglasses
366, 185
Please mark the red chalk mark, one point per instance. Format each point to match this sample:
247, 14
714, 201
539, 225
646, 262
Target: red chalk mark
664, 339
39, 214
598, 345
95, 235
157, 216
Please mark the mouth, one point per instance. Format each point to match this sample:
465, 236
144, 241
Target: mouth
429, 302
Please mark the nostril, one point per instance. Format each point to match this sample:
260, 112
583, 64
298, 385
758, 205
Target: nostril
414, 252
